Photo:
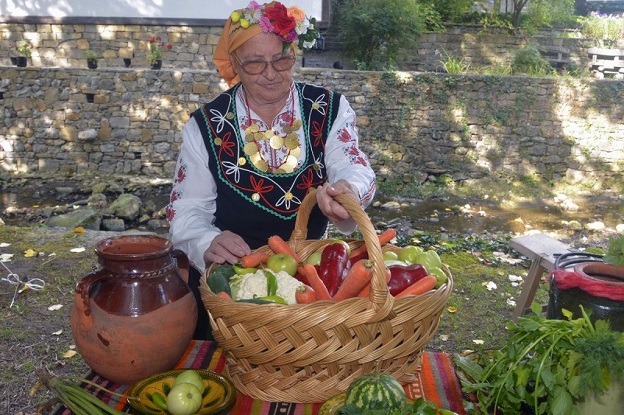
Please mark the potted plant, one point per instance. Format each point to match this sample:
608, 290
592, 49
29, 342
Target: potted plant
23, 48
156, 47
555, 367
92, 59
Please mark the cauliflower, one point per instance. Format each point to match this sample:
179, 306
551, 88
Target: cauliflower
255, 285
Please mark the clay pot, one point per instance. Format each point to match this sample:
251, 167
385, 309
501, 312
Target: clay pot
600, 271
601, 308
135, 316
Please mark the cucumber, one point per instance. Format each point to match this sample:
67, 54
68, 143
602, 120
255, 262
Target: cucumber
219, 279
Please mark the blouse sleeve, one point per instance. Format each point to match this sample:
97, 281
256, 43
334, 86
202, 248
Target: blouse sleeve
192, 204
345, 160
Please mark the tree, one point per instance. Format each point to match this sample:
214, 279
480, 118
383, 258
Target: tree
540, 12
375, 32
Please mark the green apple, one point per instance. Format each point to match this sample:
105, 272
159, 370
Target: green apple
408, 253
282, 262
192, 377
314, 258
390, 256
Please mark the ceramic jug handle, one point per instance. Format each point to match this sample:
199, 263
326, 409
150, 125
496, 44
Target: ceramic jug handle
83, 295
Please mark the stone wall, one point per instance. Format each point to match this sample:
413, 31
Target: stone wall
63, 45
413, 125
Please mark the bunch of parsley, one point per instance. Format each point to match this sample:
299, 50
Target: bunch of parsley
546, 367
615, 251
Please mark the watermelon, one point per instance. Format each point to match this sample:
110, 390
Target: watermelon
376, 391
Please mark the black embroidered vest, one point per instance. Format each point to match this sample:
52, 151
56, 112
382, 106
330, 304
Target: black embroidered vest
255, 204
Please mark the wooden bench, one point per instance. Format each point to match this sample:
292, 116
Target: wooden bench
607, 61
557, 56
543, 251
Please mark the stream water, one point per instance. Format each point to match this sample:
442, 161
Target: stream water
447, 215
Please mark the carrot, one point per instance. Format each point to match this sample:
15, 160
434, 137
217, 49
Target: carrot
358, 276
279, 246
253, 260
366, 290
305, 294
421, 286
384, 237
225, 295
315, 281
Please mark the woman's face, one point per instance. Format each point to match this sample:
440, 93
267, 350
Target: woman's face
270, 85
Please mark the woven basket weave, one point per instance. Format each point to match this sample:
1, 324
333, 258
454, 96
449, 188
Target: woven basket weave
311, 352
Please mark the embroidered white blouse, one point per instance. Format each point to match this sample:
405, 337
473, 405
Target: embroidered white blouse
194, 192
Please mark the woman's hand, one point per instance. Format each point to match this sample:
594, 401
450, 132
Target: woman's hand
329, 206
226, 247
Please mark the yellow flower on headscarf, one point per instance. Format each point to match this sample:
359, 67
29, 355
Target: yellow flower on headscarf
296, 13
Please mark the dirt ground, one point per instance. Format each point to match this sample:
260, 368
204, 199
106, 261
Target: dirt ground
35, 331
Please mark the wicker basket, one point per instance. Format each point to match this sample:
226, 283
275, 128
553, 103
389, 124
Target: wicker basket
311, 352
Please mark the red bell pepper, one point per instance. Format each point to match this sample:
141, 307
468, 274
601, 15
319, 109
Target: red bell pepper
334, 266
402, 276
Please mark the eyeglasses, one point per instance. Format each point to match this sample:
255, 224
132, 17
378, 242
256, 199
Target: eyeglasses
280, 64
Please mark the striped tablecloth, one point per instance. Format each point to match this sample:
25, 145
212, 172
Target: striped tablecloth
436, 382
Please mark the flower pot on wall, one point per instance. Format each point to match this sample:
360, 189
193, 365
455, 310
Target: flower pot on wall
157, 64
21, 61
127, 62
92, 63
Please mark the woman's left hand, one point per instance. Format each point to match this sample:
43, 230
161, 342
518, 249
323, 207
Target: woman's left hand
329, 206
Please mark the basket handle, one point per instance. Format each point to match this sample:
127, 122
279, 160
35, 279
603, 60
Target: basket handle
379, 294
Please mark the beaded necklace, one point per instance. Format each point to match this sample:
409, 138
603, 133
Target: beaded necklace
286, 142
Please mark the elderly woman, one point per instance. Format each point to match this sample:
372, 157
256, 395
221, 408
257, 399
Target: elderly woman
249, 156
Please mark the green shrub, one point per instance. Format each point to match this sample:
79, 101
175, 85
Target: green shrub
451, 10
529, 60
375, 32
454, 65
596, 26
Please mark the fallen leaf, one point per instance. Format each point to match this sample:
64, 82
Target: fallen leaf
70, 353
29, 253
514, 278
79, 229
478, 341
490, 285
58, 333
5, 257
55, 307
4, 244
452, 309
81, 249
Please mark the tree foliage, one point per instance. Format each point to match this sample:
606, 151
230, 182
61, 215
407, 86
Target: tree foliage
375, 32
540, 13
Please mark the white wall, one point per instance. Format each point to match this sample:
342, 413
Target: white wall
174, 9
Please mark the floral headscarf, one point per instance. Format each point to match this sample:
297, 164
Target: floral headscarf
290, 24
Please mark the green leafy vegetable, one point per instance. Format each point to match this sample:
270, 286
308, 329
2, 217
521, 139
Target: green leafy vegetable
546, 366
615, 251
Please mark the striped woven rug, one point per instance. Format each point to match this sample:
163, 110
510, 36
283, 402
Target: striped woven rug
437, 382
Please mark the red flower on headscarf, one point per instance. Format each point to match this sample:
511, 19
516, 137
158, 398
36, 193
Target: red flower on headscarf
282, 22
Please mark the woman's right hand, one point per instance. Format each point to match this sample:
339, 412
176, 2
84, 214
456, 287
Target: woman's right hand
226, 247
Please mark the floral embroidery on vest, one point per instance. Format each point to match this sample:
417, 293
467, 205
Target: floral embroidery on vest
278, 193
